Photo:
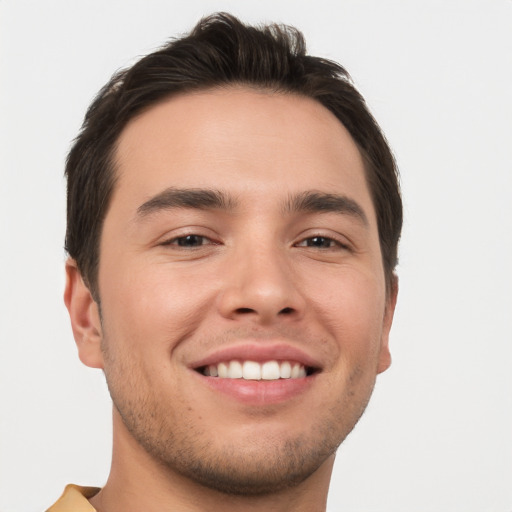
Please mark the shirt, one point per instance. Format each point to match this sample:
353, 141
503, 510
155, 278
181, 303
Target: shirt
74, 499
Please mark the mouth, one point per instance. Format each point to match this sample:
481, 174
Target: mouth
256, 373
270, 370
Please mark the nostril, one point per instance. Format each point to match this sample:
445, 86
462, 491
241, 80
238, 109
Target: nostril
245, 310
286, 311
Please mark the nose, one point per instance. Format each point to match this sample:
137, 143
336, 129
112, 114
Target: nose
261, 287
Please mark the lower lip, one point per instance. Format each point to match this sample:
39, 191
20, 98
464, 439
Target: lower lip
260, 392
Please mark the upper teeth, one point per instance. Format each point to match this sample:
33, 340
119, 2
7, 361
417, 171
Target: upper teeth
251, 370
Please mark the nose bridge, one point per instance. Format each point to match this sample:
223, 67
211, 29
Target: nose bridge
260, 282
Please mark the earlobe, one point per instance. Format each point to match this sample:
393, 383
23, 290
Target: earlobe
84, 315
385, 355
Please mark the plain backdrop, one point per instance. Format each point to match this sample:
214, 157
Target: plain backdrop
437, 436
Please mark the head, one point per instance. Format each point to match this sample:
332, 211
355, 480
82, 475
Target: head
234, 208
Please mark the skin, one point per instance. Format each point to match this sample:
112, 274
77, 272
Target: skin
259, 274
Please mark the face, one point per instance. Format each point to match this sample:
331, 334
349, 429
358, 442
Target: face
244, 314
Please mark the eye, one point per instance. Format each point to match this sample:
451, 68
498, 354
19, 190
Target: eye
320, 242
189, 241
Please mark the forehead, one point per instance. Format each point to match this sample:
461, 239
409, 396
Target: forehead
241, 139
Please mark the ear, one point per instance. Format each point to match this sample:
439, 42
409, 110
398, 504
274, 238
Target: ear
85, 317
385, 355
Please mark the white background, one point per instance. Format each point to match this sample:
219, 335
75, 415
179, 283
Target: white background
437, 74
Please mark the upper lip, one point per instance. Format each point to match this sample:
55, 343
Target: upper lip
259, 352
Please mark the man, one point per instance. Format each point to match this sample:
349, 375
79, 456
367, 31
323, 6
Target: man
233, 221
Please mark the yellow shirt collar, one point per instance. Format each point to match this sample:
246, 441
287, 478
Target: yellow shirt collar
74, 499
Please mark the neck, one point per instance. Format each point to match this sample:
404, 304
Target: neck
139, 482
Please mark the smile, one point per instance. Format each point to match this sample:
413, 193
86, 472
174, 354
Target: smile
252, 370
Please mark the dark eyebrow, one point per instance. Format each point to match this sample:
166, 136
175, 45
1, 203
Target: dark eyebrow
321, 202
202, 199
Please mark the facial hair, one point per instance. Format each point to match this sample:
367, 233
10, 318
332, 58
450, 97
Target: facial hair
257, 465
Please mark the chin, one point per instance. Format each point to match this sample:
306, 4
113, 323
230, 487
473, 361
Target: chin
260, 470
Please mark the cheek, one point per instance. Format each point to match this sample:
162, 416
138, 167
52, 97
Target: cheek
152, 310
351, 309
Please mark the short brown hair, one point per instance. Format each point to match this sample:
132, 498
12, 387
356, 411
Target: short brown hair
219, 51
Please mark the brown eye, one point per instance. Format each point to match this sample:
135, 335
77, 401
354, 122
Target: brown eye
190, 241
320, 242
